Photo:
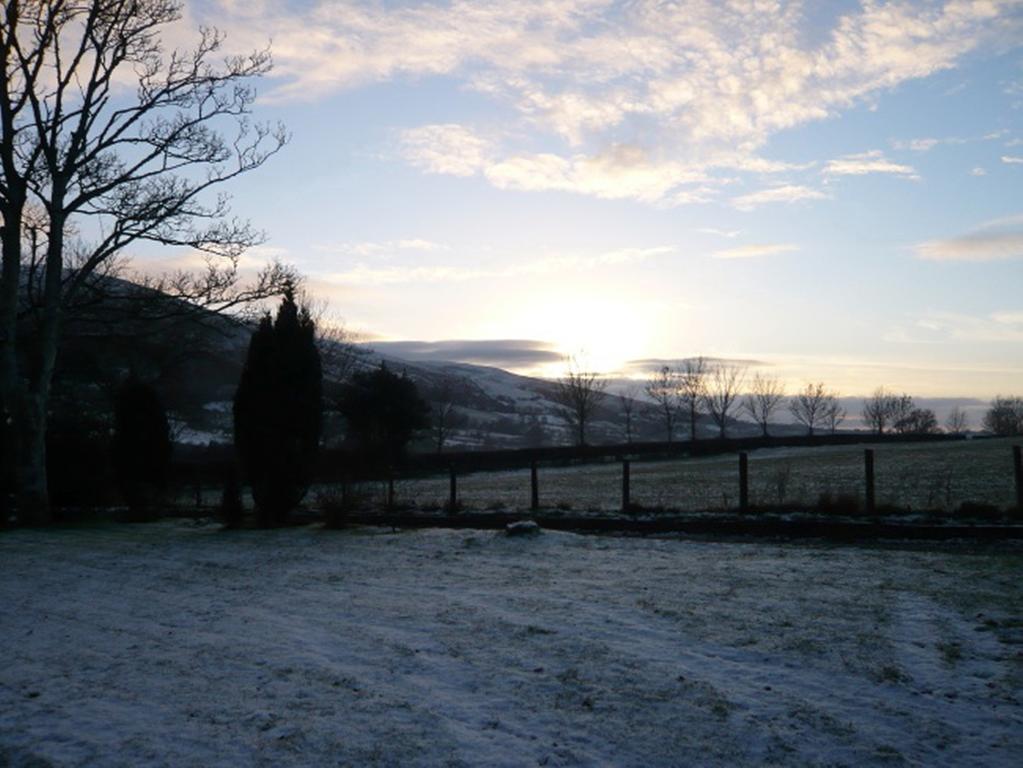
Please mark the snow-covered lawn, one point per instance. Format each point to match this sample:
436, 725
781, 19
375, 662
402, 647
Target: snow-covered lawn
179, 644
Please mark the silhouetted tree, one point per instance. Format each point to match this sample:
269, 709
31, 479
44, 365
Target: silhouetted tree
903, 418
919, 421
692, 389
834, 413
663, 389
765, 395
1005, 416
879, 409
627, 402
810, 405
441, 413
98, 123
383, 411
579, 392
278, 409
723, 386
141, 445
957, 422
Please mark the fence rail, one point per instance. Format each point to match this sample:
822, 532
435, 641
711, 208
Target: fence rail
971, 478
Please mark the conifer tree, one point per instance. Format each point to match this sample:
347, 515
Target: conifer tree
277, 411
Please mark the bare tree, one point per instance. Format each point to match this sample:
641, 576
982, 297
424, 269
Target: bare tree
663, 389
132, 169
904, 414
879, 409
810, 406
765, 395
957, 422
627, 401
442, 410
340, 351
692, 389
579, 392
834, 413
723, 386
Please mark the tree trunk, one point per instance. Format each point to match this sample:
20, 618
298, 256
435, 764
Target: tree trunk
33, 495
10, 389
34, 501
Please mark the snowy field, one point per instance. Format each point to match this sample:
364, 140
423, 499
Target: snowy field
179, 644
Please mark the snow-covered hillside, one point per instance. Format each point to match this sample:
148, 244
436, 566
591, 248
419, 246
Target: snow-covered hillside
180, 644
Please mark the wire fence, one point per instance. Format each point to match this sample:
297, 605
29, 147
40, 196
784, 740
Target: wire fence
972, 476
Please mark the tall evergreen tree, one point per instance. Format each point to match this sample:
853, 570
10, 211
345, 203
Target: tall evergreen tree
277, 410
141, 448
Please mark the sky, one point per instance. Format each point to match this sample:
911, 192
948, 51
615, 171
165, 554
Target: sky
827, 190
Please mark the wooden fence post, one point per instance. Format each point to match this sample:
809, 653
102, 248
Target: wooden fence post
534, 488
868, 465
1017, 471
453, 497
743, 482
625, 486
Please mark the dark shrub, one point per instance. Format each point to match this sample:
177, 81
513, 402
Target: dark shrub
141, 446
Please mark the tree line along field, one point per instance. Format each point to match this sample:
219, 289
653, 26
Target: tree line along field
909, 476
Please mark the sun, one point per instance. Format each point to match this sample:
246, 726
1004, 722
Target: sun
603, 335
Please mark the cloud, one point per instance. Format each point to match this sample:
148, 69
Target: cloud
1008, 318
446, 148
1012, 160
503, 353
698, 85
619, 172
729, 233
382, 248
942, 327
753, 251
364, 274
917, 145
863, 163
652, 364
785, 193
978, 171
994, 241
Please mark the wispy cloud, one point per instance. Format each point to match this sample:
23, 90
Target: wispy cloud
1012, 160
553, 263
942, 327
446, 148
785, 193
863, 163
754, 251
729, 233
696, 85
381, 248
505, 353
994, 241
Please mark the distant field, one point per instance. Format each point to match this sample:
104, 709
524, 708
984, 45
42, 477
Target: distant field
912, 476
